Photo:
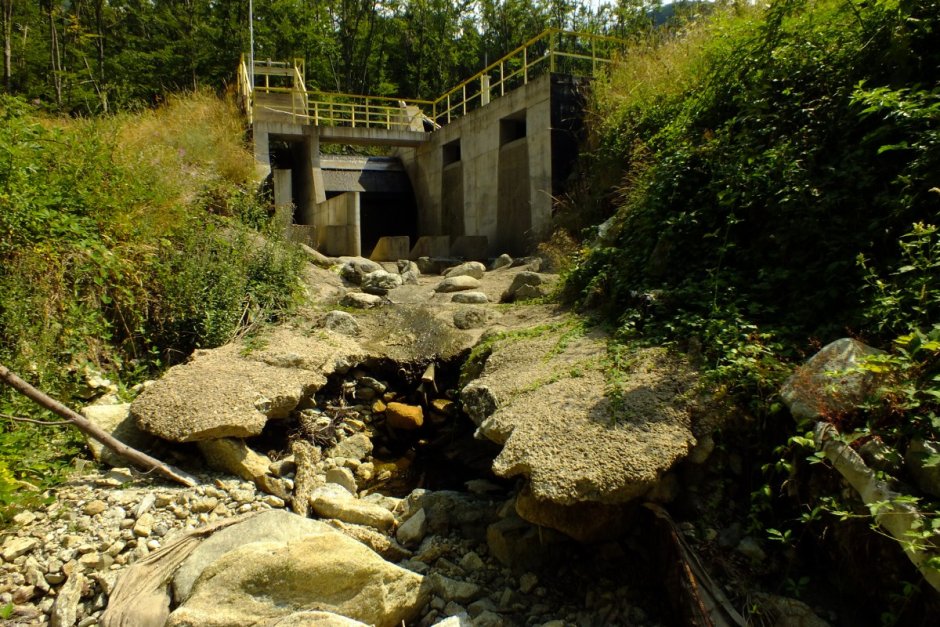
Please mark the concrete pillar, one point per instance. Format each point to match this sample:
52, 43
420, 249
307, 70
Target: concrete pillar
312, 145
353, 235
485, 89
283, 197
262, 150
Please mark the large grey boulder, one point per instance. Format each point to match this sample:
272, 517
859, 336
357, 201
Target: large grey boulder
831, 382
232, 391
470, 318
341, 322
354, 269
261, 583
116, 420
469, 268
409, 271
457, 284
380, 282
525, 286
270, 526
918, 460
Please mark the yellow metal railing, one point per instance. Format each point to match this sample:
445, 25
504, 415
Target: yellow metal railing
553, 50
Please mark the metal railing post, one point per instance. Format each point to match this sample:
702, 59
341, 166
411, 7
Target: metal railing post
502, 79
551, 51
484, 90
525, 66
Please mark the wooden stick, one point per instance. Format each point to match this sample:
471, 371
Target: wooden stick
92, 430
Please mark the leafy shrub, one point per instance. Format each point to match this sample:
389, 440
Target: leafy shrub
121, 246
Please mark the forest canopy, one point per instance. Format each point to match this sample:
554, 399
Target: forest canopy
92, 56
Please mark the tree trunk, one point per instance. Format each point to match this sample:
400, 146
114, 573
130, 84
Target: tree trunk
92, 430
7, 15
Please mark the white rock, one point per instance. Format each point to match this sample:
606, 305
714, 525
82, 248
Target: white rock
65, 609
333, 501
342, 477
412, 531
15, 547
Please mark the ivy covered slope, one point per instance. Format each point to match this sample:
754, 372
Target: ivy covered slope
125, 243
768, 180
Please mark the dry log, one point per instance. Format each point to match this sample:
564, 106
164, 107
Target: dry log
895, 515
92, 430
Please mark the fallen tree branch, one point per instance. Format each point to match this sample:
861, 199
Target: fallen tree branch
92, 430
44, 423
899, 518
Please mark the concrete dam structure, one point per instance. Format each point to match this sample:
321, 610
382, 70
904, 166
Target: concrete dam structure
472, 174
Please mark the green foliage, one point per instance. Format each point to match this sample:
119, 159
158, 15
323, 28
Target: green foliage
121, 247
757, 171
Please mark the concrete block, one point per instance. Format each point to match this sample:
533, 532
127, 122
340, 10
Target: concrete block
472, 247
431, 246
391, 248
335, 241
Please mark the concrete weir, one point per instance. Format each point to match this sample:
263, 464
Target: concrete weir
485, 181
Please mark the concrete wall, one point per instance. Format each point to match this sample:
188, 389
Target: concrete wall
492, 173
500, 188
337, 225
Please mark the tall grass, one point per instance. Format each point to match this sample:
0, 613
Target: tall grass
121, 248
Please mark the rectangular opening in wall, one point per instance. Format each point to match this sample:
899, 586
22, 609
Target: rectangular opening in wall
511, 128
451, 152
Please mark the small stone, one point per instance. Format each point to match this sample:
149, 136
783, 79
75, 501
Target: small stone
273, 501
93, 508
15, 547
144, 526
527, 582
412, 531
163, 500
405, 417
378, 407
116, 547
359, 300
24, 518
365, 471
750, 548
471, 562
145, 505
64, 610
380, 282
95, 561
342, 477
453, 590
153, 545
23, 594
341, 322
202, 505
283, 467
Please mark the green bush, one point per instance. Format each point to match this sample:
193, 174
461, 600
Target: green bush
125, 243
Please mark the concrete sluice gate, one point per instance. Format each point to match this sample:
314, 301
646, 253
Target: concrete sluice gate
475, 188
